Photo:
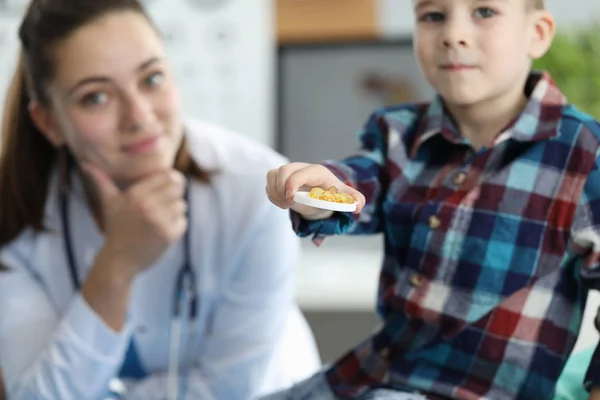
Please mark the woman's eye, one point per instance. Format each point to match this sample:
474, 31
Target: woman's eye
95, 98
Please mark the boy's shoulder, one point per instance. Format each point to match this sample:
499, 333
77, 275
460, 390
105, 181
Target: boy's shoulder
573, 121
405, 117
579, 131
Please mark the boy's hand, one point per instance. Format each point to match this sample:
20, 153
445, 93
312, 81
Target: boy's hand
285, 181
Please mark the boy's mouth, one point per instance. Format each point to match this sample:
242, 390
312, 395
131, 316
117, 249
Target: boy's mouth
456, 67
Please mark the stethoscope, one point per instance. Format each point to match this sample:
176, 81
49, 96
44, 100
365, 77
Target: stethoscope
185, 288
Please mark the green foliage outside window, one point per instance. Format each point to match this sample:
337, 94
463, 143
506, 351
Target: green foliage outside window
573, 61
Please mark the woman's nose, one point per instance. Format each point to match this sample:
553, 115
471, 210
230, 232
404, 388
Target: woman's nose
138, 112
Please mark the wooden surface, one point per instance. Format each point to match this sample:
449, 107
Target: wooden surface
313, 21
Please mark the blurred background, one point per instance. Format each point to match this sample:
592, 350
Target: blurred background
302, 76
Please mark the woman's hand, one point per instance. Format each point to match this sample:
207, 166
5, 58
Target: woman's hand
142, 221
139, 225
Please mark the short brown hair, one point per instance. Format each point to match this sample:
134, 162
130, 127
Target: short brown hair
536, 4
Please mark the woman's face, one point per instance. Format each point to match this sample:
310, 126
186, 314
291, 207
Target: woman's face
114, 99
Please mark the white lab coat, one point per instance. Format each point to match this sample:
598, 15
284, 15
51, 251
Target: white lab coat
250, 338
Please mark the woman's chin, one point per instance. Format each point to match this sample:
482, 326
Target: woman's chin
137, 174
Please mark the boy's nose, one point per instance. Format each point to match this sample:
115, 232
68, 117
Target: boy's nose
454, 35
454, 43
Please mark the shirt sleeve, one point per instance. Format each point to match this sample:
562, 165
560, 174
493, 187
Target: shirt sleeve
365, 171
585, 240
50, 356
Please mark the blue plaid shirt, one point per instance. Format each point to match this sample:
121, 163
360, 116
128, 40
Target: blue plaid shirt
489, 253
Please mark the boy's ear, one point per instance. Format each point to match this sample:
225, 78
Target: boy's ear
45, 122
543, 27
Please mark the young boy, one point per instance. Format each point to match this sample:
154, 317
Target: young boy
489, 201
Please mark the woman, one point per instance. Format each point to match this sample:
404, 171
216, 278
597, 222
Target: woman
108, 204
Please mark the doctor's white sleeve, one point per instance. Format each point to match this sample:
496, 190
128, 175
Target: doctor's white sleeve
249, 319
48, 356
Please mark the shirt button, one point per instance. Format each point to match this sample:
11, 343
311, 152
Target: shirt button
460, 178
434, 222
385, 352
416, 280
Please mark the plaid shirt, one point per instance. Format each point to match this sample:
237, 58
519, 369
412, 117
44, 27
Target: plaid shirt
489, 253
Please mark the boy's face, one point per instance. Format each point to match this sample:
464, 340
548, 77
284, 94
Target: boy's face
474, 50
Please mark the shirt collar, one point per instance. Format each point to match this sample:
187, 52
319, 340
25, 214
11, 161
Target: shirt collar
538, 121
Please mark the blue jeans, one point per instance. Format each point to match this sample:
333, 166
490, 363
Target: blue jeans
316, 388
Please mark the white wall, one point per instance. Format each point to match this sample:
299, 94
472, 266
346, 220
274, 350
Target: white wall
222, 53
8, 49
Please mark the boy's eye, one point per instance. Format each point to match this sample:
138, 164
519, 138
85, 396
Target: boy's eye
432, 17
95, 98
484, 12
